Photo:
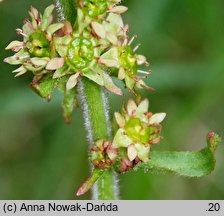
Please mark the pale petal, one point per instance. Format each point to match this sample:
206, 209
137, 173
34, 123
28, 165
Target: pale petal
156, 140
115, 25
28, 28
143, 107
141, 84
21, 68
39, 61
121, 73
30, 67
132, 152
99, 29
46, 21
54, 27
72, 81
119, 119
68, 28
109, 62
20, 71
131, 107
112, 38
95, 75
121, 140
129, 82
141, 59
157, 118
55, 64
34, 12
18, 58
118, 9
61, 44
14, 44
142, 152
60, 72
109, 85
110, 54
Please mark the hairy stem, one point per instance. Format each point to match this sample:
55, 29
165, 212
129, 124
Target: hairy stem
94, 104
96, 115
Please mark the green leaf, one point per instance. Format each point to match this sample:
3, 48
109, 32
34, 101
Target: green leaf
69, 103
45, 86
189, 164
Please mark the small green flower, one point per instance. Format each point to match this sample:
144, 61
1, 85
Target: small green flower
94, 8
97, 9
121, 55
36, 50
138, 130
80, 54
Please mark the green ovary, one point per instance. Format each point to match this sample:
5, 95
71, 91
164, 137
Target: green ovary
80, 53
138, 131
94, 8
128, 60
38, 45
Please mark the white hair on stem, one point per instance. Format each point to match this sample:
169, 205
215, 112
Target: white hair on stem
60, 11
116, 185
86, 114
107, 112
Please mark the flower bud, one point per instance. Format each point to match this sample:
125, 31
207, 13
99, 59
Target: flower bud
103, 155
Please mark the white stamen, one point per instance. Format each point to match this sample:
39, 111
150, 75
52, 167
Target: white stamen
136, 48
143, 72
20, 32
132, 39
60, 11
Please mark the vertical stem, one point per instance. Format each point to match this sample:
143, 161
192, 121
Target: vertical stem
95, 106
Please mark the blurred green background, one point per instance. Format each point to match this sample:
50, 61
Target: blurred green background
43, 158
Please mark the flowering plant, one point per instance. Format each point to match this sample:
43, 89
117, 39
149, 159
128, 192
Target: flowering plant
79, 58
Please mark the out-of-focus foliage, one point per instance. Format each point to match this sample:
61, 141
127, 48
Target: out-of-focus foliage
43, 158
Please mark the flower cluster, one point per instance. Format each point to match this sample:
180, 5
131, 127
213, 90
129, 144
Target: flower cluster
97, 48
138, 130
36, 50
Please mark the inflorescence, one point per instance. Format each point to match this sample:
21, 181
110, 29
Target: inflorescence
97, 47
